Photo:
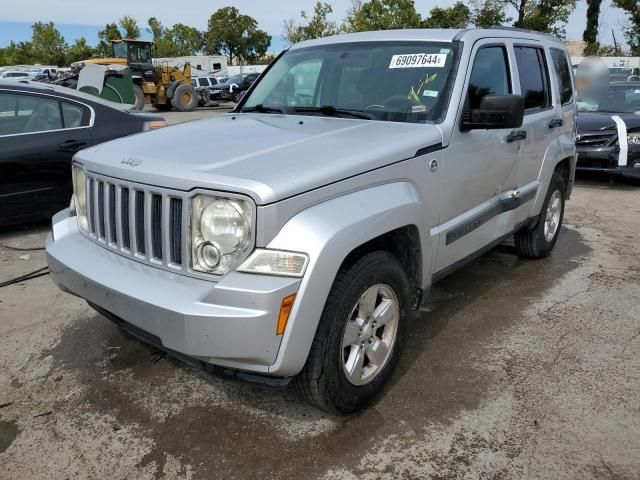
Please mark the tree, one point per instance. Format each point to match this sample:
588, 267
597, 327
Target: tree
236, 36
47, 44
17, 54
632, 30
129, 28
316, 27
387, 15
349, 23
548, 16
488, 13
79, 51
590, 35
109, 33
185, 40
457, 16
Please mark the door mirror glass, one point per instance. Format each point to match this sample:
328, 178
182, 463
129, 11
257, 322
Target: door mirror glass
496, 111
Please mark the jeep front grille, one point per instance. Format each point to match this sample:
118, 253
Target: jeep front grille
142, 222
596, 139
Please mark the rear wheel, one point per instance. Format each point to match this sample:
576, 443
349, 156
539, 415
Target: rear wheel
184, 98
358, 339
540, 240
139, 96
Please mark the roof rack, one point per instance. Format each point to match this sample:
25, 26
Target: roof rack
524, 30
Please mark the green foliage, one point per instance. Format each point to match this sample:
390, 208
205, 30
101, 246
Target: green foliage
548, 16
349, 23
631, 9
457, 16
386, 15
316, 27
47, 44
590, 35
488, 13
109, 33
80, 50
236, 36
17, 54
129, 28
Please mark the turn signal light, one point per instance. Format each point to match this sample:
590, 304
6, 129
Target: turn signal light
154, 125
283, 316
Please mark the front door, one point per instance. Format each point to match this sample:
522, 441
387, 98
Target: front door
480, 167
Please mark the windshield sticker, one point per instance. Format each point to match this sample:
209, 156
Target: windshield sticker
418, 109
430, 93
418, 60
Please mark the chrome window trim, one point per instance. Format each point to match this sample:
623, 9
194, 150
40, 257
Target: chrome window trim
92, 116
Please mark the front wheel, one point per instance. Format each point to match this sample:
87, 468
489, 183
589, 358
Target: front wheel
359, 336
540, 240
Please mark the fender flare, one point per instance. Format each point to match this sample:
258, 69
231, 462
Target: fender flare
172, 87
561, 148
328, 232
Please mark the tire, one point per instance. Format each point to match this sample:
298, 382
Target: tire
139, 95
163, 107
185, 98
538, 242
323, 381
236, 97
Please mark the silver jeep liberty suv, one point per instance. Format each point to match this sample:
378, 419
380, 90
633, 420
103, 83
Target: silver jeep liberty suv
290, 238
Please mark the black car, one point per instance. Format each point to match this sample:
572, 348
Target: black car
41, 127
233, 87
601, 120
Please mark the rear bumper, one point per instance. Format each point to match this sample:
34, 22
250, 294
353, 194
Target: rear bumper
230, 323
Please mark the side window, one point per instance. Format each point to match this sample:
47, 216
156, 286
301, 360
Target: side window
73, 116
28, 114
217, 66
534, 82
563, 75
203, 82
489, 75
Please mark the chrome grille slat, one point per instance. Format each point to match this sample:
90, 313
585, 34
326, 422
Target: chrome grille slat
138, 221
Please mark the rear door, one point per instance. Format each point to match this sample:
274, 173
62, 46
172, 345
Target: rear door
39, 134
541, 119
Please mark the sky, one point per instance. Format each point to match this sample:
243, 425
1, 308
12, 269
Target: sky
76, 18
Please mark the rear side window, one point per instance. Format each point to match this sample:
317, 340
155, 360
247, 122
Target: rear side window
490, 75
203, 82
534, 82
563, 75
28, 114
73, 115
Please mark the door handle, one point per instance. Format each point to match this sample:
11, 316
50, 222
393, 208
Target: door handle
516, 135
72, 145
556, 122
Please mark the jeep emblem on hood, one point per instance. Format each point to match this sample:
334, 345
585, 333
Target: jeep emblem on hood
133, 161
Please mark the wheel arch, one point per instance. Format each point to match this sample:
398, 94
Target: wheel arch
336, 232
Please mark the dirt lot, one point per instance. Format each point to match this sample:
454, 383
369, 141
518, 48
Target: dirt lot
516, 370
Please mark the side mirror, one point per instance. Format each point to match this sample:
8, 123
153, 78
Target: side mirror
496, 111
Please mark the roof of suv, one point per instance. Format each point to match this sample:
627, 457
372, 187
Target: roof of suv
431, 35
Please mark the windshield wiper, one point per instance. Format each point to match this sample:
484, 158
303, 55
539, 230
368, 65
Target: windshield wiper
260, 108
331, 111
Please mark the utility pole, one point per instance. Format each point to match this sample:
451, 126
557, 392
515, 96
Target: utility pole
615, 43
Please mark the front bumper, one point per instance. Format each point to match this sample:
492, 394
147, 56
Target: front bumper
605, 159
230, 323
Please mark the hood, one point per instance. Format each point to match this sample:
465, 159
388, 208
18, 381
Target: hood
268, 157
594, 121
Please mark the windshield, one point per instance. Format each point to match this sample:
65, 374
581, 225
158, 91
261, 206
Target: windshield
120, 50
234, 79
392, 81
617, 99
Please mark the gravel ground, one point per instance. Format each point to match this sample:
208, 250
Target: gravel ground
515, 370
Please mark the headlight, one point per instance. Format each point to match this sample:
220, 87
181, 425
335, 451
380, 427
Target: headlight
220, 233
79, 199
275, 262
